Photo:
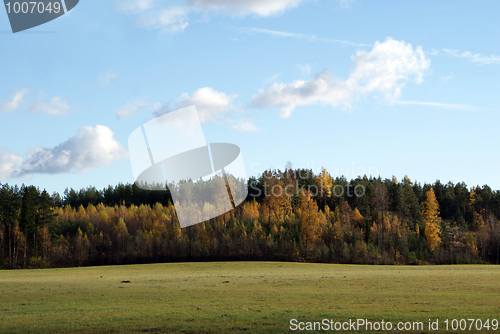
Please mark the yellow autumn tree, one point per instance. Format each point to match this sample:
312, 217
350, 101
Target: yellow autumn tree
81, 245
45, 243
310, 220
122, 234
483, 232
472, 196
358, 218
250, 211
407, 181
325, 182
430, 212
277, 204
203, 236
257, 234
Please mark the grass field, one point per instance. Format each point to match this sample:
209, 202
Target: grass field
239, 297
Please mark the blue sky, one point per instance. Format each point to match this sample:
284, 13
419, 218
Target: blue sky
382, 88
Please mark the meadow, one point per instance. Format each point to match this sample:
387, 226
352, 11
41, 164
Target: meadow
237, 297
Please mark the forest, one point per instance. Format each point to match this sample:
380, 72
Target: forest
290, 215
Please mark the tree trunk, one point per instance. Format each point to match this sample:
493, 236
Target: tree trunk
34, 243
10, 247
25, 246
189, 242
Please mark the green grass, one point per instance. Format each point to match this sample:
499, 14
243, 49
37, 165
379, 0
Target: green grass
259, 296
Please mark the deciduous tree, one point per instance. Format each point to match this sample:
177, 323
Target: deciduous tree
432, 221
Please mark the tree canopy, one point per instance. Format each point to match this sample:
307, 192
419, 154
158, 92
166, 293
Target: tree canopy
290, 215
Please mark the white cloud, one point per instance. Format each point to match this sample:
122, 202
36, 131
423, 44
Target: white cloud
15, 101
324, 89
89, 148
474, 57
106, 78
54, 106
168, 20
245, 126
10, 164
278, 33
245, 7
132, 107
384, 70
454, 106
134, 6
175, 19
387, 68
310, 38
210, 104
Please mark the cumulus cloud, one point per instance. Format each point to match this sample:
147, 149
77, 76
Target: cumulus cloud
323, 88
245, 7
168, 20
385, 70
10, 164
106, 78
134, 6
132, 107
54, 106
210, 104
89, 148
15, 101
388, 67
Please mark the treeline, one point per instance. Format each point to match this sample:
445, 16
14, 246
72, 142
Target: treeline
294, 215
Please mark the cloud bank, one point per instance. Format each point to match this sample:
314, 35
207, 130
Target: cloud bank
383, 71
88, 149
210, 104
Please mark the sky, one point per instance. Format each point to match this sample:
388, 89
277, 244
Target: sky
386, 89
